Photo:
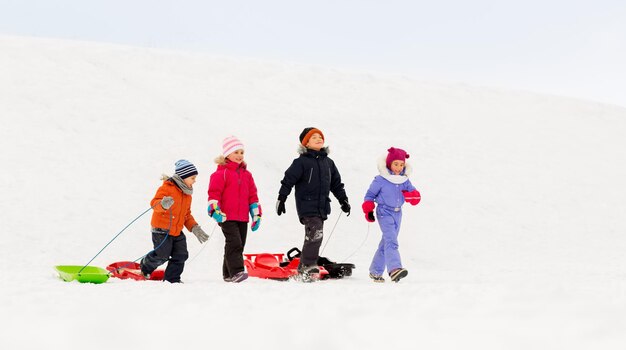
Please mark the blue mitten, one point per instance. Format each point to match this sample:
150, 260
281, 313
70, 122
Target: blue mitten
256, 212
215, 212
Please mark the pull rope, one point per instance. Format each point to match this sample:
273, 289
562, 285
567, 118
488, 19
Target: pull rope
157, 247
361, 245
119, 233
331, 233
204, 245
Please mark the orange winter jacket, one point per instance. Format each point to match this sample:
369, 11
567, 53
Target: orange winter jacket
180, 210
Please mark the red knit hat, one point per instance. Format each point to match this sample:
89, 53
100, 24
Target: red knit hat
395, 154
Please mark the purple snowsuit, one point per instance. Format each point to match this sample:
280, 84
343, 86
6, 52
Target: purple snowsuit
386, 191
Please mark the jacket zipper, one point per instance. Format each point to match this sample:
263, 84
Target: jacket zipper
239, 192
330, 178
321, 202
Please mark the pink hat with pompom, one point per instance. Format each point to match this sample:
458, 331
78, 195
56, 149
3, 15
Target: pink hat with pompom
395, 154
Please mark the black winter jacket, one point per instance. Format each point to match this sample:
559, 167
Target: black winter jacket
314, 175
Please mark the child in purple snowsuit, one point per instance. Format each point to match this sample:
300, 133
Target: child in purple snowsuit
390, 190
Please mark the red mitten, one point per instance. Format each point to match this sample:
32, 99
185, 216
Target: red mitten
412, 197
368, 208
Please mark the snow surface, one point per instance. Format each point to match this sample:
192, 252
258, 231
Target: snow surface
518, 242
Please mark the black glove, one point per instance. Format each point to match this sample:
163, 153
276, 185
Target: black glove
370, 217
280, 205
345, 206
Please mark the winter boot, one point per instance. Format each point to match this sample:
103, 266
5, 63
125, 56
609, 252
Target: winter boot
397, 274
308, 273
141, 270
377, 278
239, 277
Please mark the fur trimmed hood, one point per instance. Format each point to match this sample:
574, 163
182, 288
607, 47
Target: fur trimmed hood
386, 173
178, 181
303, 150
221, 160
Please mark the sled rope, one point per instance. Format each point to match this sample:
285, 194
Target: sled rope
101, 250
163, 241
204, 245
157, 247
331, 234
361, 245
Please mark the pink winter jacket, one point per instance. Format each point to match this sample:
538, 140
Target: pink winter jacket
232, 186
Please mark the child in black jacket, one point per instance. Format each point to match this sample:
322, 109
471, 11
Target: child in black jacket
314, 175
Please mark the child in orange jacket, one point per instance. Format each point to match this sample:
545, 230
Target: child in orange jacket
172, 211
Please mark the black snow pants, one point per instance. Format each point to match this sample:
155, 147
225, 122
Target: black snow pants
167, 248
313, 236
235, 233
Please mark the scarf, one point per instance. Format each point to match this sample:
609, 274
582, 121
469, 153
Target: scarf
181, 184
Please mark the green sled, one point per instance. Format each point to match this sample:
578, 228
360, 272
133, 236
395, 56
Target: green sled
90, 274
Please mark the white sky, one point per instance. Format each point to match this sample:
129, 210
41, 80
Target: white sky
573, 48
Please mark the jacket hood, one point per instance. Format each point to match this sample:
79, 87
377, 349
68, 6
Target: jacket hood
386, 173
303, 150
177, 182
222, 161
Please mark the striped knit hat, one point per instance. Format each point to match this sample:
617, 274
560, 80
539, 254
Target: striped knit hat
185, 169
230, 145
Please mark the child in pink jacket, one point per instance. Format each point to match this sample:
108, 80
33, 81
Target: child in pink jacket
232, 197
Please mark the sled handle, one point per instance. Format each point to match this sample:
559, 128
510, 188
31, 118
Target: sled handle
294, 249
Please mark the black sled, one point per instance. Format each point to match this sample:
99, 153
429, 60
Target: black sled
335, 270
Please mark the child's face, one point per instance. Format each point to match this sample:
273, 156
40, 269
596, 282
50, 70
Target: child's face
189, 181
316, 142
397, 166
236, 156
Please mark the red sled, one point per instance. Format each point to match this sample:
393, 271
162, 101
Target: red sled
272, 266
128, 269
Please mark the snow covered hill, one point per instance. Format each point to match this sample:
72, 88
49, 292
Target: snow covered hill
518, 242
